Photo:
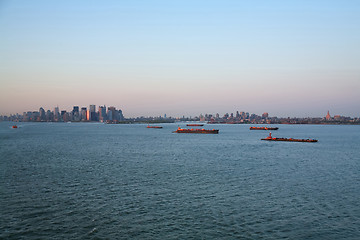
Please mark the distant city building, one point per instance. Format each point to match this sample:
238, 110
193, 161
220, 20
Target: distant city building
56, 114
88, 115
75, 114
114, 115
243, 115
42, 114
328, 117
92, 108
49, 116
109, 115
64, 116
92, 114
265, 115
83, 114
121, 116
102, 113
75, 109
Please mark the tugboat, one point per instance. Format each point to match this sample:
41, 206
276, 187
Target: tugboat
264, 128
204, 131
270, 138
154, 126
14, 126
194, 125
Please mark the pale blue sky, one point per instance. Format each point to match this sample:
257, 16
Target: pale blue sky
288, 58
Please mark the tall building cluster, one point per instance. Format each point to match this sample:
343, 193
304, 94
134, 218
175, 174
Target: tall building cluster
238, 117
84, 114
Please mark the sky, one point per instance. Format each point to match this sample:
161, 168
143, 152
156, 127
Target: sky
182, 57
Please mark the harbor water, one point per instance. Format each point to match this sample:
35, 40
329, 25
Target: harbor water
114, 181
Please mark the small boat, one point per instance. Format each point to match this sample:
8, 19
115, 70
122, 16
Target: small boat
264, 128
154, 126
270, 138
203, 131
14, 126
194, 125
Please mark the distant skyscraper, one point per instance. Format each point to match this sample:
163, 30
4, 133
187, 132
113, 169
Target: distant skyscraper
112, 114
75, 109
42, 114
109, 115
49, 116
75, 114
121, 116
243, 115
83, 113
63, 116
92, 108
102, 113
93, 115
88, 115
56, 114
265, 115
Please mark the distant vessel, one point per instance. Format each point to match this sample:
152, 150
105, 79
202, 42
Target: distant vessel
14, 126
154, 126
194, 125
204, 131
264, 128
270, 138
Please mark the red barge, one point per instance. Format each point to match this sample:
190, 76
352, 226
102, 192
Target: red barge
204, 131
270, 138
264, 128
154, 126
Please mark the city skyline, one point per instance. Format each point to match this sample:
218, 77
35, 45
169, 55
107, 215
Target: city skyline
111, 115
151, 113
296, 59
94, 112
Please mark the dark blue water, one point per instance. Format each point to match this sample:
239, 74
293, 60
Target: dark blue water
97, 181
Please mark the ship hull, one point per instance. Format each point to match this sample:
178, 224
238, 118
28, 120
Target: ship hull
264, 128
289, 140
197, 131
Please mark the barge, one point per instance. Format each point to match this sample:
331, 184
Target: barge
270, 138
264, 128
203, 131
